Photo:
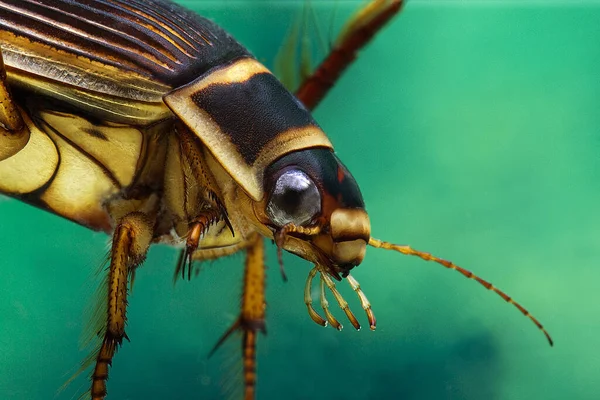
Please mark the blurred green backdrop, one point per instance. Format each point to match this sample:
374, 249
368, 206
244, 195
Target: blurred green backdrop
473, 129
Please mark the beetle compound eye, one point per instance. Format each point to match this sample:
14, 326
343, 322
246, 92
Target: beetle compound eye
295, 198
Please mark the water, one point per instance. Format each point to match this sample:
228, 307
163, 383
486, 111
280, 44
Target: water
472, 128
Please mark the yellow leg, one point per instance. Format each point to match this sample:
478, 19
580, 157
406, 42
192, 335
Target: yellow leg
252, 318
14, 135
217, 249
253, 311
130, 245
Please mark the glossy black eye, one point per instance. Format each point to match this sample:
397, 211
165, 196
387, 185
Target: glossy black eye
295, 198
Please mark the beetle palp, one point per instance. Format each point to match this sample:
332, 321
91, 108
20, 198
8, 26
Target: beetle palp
340, 299
364, 302
308, 298
325, 306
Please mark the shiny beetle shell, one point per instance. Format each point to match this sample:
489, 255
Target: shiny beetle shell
147, 121
144, 120
112, 63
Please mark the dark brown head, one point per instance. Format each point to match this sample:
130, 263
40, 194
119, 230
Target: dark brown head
315, 209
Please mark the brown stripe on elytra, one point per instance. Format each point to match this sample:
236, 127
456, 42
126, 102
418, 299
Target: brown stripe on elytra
152, 38
70, 28
252, 112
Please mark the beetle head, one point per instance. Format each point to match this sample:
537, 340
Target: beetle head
315, 209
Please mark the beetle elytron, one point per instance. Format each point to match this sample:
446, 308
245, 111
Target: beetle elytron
141, 119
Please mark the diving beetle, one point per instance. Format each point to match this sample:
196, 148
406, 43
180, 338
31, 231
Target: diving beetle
146, 121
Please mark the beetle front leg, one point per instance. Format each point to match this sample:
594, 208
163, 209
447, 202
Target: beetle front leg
252, 317
14, 135
130, 245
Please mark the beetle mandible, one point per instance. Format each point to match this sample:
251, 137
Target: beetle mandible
146, 121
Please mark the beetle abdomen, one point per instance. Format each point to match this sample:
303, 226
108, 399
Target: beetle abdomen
127, 49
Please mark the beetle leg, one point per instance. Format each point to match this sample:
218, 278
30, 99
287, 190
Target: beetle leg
208, 248
198, 227
358, 32
191, 193
212, 253
252, 317
130, 244
192, 152
14, 134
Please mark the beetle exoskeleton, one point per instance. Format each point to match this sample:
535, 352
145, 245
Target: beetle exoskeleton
146, 121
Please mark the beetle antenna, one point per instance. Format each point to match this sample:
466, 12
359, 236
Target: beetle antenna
407, 250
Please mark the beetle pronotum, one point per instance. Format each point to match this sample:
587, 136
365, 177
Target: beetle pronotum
146, 121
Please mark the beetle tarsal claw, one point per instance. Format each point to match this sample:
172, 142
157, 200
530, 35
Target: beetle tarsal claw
198, 227
407, 250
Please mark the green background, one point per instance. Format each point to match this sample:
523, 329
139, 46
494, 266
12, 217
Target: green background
473, 130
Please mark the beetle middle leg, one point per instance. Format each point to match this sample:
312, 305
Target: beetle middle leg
252, 317
14, 134
130, 245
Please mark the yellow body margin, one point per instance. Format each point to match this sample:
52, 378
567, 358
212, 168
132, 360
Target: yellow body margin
248, 176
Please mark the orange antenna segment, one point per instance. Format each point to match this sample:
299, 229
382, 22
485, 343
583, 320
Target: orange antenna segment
407, 250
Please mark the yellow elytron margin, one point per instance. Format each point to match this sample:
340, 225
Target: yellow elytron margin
248, 176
